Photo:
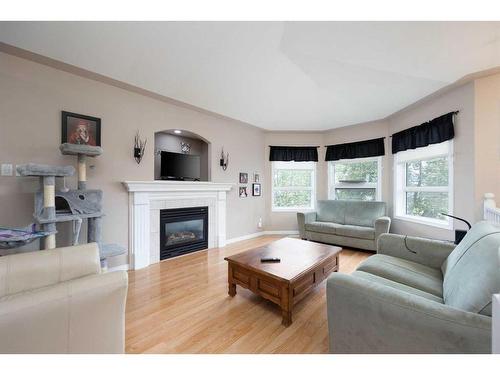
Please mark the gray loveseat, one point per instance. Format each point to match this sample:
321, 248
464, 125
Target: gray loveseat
355, 224
418, 296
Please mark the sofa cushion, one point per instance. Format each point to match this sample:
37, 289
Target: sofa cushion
395, 285
322, 227
356, 232
418, 276
363, 213
472, 270
331, 211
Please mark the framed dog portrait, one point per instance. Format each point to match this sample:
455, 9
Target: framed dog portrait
80, 129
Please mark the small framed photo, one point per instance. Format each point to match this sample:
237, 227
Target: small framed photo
256, 177
256, 190
243, 192
243, 178
80, 129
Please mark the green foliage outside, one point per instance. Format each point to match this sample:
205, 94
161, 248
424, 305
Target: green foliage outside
355, 194
427, 173
292, 178
366, 171
300, 198
363, 172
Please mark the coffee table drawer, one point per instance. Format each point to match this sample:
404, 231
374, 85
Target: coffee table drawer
330, 266
241, 277
303, 285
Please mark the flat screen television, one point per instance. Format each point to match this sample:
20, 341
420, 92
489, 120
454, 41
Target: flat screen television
175, 166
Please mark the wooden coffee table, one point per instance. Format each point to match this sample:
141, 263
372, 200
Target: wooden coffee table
303, 265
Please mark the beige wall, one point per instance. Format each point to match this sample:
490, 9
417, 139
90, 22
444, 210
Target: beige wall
32, 97
487, 140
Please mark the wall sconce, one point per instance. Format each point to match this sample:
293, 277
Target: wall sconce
139, 147
224, 159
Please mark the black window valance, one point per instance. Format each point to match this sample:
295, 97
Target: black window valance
435, 131
354, 150
293, 153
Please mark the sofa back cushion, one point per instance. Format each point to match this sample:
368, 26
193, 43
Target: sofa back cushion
350, 212
472, 270
363, 213
33, 270
332, 211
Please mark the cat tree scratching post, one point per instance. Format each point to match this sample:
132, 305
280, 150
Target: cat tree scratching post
82, 172
47, 174
82, 151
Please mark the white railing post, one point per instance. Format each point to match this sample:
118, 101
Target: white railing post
491, 212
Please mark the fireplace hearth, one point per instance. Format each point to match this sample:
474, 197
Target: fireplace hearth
182, 231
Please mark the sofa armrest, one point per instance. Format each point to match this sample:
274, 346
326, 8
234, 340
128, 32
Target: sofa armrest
425, 251
85, 315
367, 317
302, 219
382, 225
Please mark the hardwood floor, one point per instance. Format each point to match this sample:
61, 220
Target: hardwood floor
170, 310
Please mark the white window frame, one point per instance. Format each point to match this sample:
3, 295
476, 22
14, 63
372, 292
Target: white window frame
400, 188
310, 165
346, 185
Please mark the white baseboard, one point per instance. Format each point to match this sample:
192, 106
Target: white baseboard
282, 232
245, 237
260, 234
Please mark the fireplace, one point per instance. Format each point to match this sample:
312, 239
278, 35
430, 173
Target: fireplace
182, 231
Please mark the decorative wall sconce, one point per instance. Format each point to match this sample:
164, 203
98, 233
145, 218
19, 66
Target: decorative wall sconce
224, 159
139, 147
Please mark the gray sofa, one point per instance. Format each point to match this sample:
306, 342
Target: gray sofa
418, 296
355, 224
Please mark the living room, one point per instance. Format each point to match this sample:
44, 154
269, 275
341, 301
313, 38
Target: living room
250, 187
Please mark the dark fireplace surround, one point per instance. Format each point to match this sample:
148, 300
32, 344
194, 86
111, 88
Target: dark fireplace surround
182, 231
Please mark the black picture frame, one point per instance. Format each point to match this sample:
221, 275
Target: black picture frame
243, 178
256, 190
242, 192
71, 121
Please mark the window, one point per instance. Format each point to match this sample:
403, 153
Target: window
423, 184
294, 185
355, 179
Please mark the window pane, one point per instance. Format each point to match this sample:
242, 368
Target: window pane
426, 204
292, 178
365, 171
432, 172
300, 198
355, 194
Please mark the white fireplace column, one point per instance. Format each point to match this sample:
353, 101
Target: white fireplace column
147, 198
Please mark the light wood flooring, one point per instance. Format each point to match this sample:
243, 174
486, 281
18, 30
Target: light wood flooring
181, 305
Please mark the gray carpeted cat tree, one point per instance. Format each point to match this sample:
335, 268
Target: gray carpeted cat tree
52, 207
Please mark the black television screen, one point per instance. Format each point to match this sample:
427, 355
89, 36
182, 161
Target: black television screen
176, 166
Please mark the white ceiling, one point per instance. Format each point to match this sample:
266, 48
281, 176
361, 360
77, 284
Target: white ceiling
275, 75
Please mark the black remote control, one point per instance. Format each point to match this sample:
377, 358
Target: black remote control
270, 260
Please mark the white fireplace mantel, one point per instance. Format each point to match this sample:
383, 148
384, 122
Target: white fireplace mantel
147, 198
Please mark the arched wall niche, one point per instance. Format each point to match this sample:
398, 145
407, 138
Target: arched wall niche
171, 140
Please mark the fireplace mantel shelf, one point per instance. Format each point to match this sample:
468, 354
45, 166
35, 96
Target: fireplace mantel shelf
152, 186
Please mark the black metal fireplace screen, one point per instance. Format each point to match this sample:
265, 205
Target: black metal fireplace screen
182, 231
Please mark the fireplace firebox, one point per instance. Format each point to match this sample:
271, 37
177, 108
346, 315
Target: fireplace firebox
182, 231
